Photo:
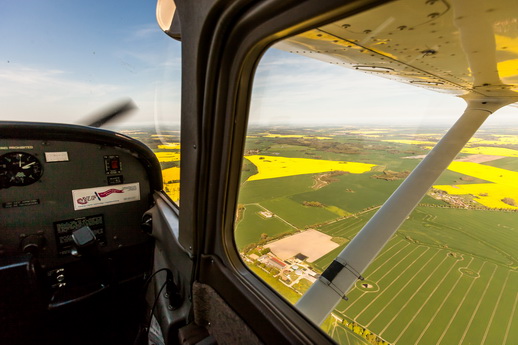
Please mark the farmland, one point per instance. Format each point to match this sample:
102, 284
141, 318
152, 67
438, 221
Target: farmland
274, 167
166, 147
504, 184
449, 275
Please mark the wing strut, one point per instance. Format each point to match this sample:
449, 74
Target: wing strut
326, 293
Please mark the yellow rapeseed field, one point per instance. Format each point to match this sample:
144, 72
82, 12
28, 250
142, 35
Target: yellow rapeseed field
168, 156
171, 174
274, 167
171, 177
493, 151
170, 146
500, 139
486, 172
487, 194
504, 184
485, 150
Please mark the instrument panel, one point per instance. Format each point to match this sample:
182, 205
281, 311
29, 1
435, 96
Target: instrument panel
56, 179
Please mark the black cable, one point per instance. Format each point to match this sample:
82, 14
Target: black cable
146, 285
154, 305
148, 280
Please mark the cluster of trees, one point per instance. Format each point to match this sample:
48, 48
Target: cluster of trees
313, 204
389, 175
330, 177
471, 207
272, 270
509, 201
323, 145
240, 212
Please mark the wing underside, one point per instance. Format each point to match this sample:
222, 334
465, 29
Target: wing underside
457, 47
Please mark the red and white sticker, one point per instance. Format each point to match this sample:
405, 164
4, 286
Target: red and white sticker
106, 195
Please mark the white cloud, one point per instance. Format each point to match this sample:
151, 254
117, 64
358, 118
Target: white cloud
31, 94
145, 31
20, 81
291, 88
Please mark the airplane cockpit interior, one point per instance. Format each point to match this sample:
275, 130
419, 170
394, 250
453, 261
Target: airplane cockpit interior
71, 264
262, 172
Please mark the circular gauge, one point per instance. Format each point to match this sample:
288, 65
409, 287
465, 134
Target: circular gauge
19, 169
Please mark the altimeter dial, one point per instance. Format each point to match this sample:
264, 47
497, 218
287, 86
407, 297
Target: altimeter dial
19, 169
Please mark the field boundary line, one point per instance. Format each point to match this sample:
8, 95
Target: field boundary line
393, 281
390, 258
348, 228
335, 223
345, 228
348, 336
386, 262
377, 259
460, 305
426, 301
442, 303
510, 320
496, 307
404, 286
352, 215
334, 328
415, 292
478, 306
275, 215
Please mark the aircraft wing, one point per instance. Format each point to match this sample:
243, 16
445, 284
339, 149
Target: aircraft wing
453, 47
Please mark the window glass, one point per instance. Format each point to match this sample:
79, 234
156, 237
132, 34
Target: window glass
69, 62
327, 145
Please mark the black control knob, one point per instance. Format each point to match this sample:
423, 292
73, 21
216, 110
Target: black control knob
32, 244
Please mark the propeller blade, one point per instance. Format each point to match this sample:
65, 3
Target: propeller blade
110, 114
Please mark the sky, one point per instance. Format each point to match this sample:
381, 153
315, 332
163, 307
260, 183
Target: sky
61, 61
291, 88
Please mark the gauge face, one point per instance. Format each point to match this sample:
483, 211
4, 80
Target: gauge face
19, 169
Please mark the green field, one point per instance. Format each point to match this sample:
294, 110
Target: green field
446, 270
298, 214
274, 283
261, 190
424, 298
505, 163
448, 276
253, 220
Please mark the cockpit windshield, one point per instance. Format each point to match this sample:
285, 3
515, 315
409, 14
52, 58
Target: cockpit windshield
61, 61
75, 62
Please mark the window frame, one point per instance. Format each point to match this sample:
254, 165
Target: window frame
214, 125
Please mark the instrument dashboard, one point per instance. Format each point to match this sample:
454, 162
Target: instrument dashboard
55, 179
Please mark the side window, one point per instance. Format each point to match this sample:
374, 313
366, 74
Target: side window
326, 146
160, 129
